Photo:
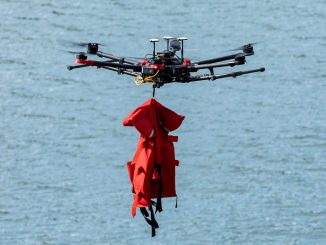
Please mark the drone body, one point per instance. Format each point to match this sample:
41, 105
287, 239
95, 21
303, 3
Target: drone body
165, 66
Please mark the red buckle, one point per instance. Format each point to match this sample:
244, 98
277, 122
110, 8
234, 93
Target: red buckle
173, 138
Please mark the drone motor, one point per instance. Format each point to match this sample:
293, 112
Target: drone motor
240, 59
92, 48
81, 56
248, 49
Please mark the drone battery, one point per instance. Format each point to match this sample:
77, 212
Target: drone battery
148, 71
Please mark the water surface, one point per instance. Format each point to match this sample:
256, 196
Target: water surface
252, 149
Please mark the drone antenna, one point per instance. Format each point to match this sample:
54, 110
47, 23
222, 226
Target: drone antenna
154, 40
167, 39
182, 39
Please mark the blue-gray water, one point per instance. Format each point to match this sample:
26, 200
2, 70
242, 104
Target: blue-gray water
252, 149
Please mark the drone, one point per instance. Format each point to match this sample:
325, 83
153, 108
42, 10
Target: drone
164, 67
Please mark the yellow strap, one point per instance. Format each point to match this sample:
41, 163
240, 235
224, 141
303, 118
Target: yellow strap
150, 79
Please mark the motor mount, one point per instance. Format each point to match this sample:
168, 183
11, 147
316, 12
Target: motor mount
81, 56
240, 59
248, 49
92, 48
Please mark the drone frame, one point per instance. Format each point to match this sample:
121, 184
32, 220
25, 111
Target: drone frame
135, 68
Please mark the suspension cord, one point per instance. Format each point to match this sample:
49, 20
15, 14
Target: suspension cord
154, 87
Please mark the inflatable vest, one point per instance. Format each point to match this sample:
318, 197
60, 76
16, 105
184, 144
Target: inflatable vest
152, 169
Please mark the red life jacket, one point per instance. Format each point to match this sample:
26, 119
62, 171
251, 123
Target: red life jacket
152, 169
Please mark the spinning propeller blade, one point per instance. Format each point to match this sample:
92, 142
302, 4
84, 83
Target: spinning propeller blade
243, 47
77, 53
78, 44
72, 52
136, 58
85, 44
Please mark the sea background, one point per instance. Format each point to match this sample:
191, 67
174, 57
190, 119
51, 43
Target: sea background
252, 150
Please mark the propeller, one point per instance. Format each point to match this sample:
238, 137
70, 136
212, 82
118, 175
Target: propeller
72, 52
78, 44
135, 58
247, 48
79, 55
92, 48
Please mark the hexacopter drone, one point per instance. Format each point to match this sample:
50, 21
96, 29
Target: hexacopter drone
166, 66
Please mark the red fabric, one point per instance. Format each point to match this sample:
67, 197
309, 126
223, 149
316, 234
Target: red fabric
158, 150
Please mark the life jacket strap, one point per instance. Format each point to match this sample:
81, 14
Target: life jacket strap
160, 189
152, 222
173, 138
